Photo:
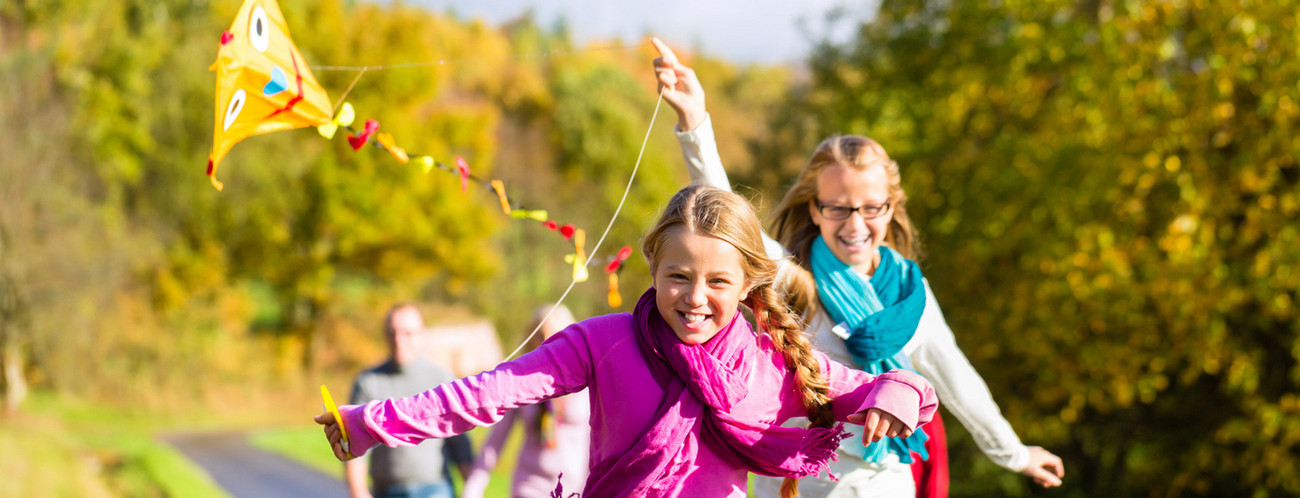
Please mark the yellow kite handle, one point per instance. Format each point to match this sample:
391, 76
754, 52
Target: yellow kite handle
334, 409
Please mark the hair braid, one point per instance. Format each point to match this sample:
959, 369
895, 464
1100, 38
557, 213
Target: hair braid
782, 326
729, 217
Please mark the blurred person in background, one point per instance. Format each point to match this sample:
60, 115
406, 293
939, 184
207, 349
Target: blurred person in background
421, 471
557, 434
847, 249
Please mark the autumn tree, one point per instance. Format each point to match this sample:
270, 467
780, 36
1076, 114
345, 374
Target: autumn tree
1108, 194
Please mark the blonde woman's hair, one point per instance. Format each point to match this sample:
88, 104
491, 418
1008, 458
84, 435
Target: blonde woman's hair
793, 226
720, 214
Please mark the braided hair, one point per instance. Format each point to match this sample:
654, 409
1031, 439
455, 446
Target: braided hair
729, 217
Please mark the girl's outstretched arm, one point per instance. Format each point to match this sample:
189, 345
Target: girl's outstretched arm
879, 424
561, 365
967, 397
904, 396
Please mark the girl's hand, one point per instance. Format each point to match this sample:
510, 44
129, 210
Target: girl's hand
680, 87
334, 435
879, 424
1046, 469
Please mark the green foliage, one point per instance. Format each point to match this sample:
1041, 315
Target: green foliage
45, 461
124, 272
1108, 191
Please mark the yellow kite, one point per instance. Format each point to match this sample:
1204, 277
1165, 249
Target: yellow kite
263, 83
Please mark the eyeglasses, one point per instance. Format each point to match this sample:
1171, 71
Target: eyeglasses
837, 213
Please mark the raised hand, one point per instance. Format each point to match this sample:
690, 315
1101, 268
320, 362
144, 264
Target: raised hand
680, 87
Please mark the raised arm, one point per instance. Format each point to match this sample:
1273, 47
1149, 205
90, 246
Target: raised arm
683, 92
967, 397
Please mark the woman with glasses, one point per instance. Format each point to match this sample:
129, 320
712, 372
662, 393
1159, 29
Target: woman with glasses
844, 224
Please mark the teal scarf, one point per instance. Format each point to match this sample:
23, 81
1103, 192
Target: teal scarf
881, 315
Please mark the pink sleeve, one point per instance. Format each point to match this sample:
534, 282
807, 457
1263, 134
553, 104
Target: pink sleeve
560, 366
900, 393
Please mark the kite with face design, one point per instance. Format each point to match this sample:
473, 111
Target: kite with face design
263, 83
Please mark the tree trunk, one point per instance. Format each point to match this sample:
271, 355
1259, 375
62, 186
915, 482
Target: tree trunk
15, 382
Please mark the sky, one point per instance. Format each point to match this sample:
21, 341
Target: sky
759, 31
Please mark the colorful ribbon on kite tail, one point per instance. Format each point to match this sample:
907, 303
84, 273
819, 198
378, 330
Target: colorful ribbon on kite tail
264, 85
370, 134
615, 267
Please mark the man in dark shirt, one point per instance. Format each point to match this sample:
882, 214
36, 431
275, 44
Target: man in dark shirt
417, 471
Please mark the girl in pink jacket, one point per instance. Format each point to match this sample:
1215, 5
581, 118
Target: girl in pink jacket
686, 399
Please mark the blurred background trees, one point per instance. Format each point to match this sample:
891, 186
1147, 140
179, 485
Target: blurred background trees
1106, 192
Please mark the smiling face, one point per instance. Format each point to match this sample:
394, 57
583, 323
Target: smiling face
854, 241
700, 282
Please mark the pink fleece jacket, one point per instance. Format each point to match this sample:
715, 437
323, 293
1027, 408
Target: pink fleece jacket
601, 354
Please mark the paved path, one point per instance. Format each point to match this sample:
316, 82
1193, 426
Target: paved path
245, 471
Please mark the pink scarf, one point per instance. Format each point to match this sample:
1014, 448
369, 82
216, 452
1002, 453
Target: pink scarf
702, 383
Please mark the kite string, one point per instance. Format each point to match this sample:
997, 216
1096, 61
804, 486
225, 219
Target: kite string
442, 62
349, 90
361, 70
596, 248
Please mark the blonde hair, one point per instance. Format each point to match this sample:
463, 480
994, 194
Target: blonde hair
720, 214
793, 225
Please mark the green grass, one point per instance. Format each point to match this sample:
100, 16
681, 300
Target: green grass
306, 444
43, 459
58, 447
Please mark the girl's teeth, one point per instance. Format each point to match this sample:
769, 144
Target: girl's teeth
693, 317
854, 242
